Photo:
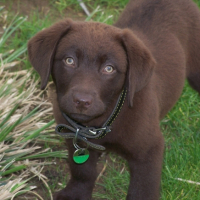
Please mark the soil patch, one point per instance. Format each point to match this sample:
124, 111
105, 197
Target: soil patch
43, 7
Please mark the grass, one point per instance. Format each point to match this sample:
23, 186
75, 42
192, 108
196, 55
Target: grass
182, 154
24, 120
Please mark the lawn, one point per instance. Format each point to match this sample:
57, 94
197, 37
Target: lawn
32, 158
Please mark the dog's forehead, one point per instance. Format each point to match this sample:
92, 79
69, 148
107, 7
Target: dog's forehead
92, 38
95, 31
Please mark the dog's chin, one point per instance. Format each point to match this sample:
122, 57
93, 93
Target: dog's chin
81, 118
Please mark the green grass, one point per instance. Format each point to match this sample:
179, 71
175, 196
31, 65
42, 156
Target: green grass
182, 154
197, 2
22, 120
111, 7
181, 127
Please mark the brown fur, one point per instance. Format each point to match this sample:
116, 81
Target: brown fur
153, 47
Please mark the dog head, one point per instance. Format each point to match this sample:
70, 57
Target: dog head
90, 64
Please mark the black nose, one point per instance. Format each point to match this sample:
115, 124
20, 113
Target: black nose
82, 101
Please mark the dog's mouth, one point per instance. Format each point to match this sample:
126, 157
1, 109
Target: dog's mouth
81, 118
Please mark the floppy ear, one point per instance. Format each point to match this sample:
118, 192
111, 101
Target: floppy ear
140, 63
42, 47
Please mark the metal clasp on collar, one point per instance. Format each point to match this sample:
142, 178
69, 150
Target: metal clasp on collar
95, 131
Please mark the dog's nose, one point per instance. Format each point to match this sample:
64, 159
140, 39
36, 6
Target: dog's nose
82, 101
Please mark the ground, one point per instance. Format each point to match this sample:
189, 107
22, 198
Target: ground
27, 7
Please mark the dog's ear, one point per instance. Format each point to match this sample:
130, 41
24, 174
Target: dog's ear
42, 47
140, 63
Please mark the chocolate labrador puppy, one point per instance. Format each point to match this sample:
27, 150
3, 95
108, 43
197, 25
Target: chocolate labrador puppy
115, 83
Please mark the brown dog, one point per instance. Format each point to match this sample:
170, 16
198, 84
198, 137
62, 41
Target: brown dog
150, 51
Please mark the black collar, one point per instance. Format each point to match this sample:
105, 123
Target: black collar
83, 133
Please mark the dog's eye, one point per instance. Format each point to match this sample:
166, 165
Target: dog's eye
69, 61
108, 69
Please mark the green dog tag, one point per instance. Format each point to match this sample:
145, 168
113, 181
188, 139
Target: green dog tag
80, 156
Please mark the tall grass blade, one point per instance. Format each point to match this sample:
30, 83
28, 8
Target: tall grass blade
8, 116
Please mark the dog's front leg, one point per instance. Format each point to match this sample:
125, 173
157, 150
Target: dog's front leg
82, 179
145, 174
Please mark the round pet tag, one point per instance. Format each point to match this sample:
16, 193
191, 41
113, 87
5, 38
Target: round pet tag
80, 156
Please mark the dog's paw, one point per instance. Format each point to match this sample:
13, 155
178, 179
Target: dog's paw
64, 195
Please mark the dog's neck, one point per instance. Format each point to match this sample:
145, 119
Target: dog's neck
83, 133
